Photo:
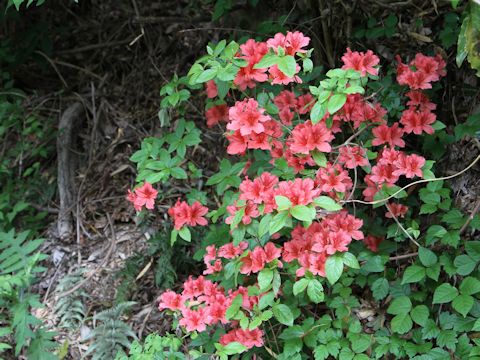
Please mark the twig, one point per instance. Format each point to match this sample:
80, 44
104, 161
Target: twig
404, 256
470, 218
54, 67
92, 47
401, 226
112, 246
412, 184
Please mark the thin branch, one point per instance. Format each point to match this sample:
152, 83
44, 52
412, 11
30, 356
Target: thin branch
412, 184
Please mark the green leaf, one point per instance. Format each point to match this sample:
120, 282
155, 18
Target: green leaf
427, 257
283, 314
413, 273
420, 314
173, 237
473, 249
178, 173
283, 203
463, 304
336, 102
267, 61
319, 158
333, 268
350, 260
300, 286
327, 203
287, 65
303, 213
318, 112
234, 307
444, 294
206, 75
278, 222
185, 234
464, 264
470, 286
401, 323
354, 89
265, 278
400, 305
266, 300
315, 291
234, 348
380, 288
264, 225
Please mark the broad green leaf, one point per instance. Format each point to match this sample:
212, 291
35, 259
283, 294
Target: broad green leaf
287, 65
264, 225
333, 268
350, 260
420, 314
427, 257
463, 304
464, 264
444, 294
266, 300
400, 305
413, 273
473, 249
266, 61
315, 291
234, 307
185, 234
327, 203
278, 222
234, 348
380, 288
402, 323
319, 158
265, 278
283, 314
300, 286
336, 102
303, 213
283, 203
470, 286
318, 112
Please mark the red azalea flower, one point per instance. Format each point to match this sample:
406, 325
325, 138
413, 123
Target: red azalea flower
144, 195
211, 89
396, 210
306, 137
388, 135
352, 156
418, 121
362, 62
372, 242
410, 166
247, 117
216, 114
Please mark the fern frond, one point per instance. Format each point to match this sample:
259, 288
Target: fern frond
112, 334
16, 253
70, 309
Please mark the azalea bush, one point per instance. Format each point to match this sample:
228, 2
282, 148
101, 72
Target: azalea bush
325, 234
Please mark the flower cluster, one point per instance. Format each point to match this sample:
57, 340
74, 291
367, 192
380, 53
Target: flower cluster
326, 176
204, 303
252, 52
311, 246
421, 71
252, 129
